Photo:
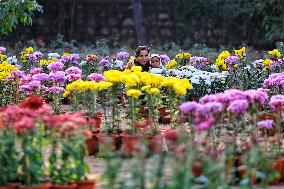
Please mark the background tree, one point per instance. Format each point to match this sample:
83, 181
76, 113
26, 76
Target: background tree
139, 21
14, 12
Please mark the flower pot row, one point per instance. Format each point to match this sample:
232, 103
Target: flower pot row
88, 184
128, 144
276, 166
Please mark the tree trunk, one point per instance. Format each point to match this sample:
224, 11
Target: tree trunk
61, 20
282, 5
138, 21
72, 15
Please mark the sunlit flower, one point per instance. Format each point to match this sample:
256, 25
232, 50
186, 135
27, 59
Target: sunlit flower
275, 53
133, 93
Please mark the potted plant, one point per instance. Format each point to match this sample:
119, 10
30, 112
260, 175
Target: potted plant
8, 158
81, 168
68, 149
108, 137
31, 159
130, 139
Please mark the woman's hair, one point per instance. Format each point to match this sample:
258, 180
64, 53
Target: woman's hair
140, 48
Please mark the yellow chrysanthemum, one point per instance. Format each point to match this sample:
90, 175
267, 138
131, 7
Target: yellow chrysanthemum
66, 93
146, 88
25, 53
113, 76
220, 64
171, 64
223, 55
131, 59
43, 62
275, 53
151, 79
104, 85
179, 86
29, 50
5, 69
66, 54
130, 80
134, 93
3, 75
136, 68
186, 83
3, 57
154, 91
183, 56
266, 63
240, 53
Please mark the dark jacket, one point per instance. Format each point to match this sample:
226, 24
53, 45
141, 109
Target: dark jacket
145, 68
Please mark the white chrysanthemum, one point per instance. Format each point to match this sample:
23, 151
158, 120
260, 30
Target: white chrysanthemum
156, 70
12, 60
53, 55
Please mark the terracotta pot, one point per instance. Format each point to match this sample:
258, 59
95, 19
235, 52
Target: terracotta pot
144, 113
155, 144
107, 143
44, 186
7, 187
268, 115
92, 144
270, 132
130, 143
277, 165
67, 186
196, 168
96, 122
14, 185
171, 137
164, 112
281, 160
164, 115
88, 184
241, 171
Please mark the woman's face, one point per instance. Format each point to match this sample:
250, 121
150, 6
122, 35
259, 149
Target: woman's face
143, 57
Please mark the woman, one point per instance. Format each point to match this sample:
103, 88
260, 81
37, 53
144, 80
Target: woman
142, 58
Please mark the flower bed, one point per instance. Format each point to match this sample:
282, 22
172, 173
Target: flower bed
224, 117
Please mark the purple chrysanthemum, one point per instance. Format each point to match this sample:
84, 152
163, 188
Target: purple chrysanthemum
2, 49
35, 55
189, 107
35, 71
40, 77
72, 58
266, 124
58, 77
165, 59
17, 74
105, 63
123, 56
277, 102
96, 77
73, 70
56, 90
238, 107
73, 77
55, 66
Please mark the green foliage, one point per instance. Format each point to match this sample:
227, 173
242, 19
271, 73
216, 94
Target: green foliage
272, 15
255, 22
32, 159
68, 165
14, 12
8, 157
